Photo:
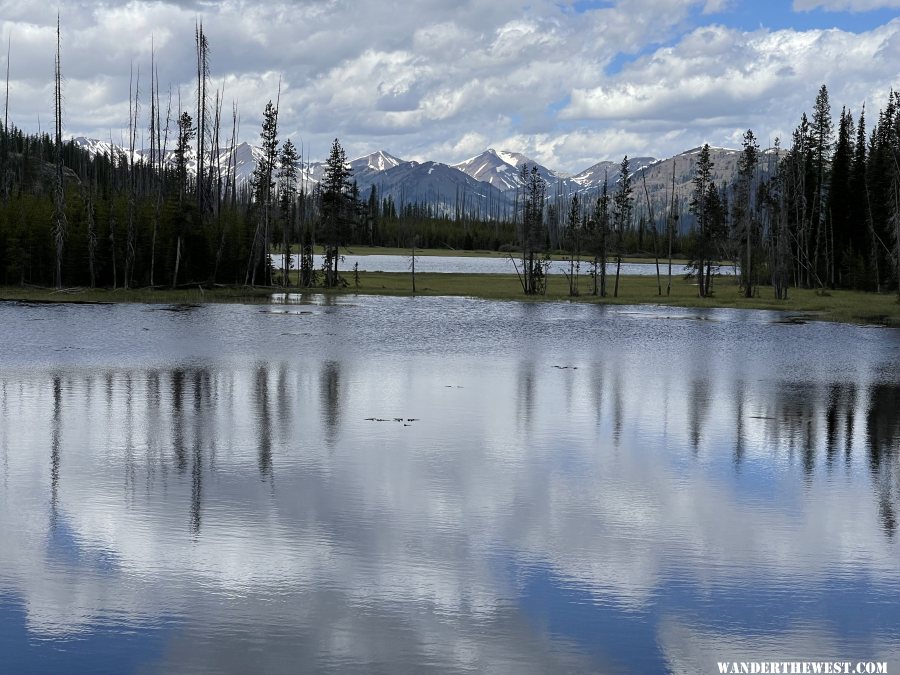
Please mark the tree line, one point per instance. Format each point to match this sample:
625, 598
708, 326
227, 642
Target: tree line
822, 213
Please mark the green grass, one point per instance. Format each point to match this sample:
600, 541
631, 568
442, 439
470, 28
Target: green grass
194, 295
845, 306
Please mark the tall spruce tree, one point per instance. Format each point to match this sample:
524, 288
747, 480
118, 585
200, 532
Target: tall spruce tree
263, 186
623, 206
700, 207
287, 198
821, 136
335, 209
839, 211
186, 133
744, 214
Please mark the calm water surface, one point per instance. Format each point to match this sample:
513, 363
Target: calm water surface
443, 484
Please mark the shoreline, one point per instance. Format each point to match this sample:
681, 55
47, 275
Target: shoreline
840, 306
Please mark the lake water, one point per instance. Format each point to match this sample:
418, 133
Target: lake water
397, 485
478, 265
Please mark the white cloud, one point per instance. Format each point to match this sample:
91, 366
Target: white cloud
420, 80
719, 81
844, 5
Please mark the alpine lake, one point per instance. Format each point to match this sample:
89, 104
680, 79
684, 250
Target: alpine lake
408, 484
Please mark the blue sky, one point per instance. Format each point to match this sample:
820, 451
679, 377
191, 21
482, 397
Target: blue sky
568, 83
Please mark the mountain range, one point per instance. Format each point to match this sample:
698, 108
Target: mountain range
488, 183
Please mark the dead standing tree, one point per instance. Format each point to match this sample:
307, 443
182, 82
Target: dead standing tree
133, 111
60, 225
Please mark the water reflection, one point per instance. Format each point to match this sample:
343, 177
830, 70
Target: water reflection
54, 447
330, 393
603, 507
883, 431
264, 420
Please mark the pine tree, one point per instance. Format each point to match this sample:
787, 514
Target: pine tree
574, 237
335, 209
287, 197
533, 232
700, 207
820, 154
623, 205
263, 185
744, 217
185, 135
840, 202
601, 238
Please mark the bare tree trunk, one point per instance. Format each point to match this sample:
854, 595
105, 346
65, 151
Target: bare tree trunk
603, 256
60, 226
671, 224
6, 105
132, 139
655, 233
92, 237
618, 269
413, 265
112, 241
177, 261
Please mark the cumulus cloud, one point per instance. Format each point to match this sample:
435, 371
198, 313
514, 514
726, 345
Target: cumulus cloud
418, 81
717, 81
845, 5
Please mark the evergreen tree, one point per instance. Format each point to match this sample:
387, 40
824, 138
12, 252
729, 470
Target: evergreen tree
601, 238
840, 202
185, 136
574, 240
533, 233
744, 217
263, 183
287, 198
623, 205
336, 209
820, 155
701, 208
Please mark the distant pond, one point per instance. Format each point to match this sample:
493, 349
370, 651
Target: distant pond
476, 265
422, 484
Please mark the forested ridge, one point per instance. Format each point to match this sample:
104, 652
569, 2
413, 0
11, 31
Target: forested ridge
821, 211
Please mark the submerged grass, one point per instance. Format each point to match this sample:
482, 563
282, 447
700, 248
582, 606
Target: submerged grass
802, 304
839, 305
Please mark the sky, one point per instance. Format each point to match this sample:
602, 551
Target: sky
567, 82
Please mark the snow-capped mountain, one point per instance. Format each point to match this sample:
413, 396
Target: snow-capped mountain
432, 183
377, 161
594, 176
487, 182
502, 169
97, 147
244, 159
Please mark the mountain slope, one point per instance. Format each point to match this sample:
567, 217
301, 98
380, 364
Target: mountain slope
502, 169
433, 183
